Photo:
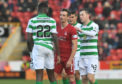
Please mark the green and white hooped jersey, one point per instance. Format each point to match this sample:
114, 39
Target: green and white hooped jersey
89, 39
41, 28
78, 25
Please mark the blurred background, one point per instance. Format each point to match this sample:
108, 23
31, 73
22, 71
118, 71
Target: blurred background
14, 56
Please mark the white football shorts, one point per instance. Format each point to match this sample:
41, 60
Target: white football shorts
42, 58
88, 65
76, 60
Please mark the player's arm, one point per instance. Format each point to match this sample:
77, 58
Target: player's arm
74, 47
56, 44
55, 39
92, 32
30, 42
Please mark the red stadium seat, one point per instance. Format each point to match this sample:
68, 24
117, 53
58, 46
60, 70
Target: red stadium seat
119, 25
13, 14
119, 53
108, 58
19, 14
112, 52
27, 14
115, 58
22, 20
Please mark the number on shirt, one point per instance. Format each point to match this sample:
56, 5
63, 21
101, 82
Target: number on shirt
44, 31
94, 67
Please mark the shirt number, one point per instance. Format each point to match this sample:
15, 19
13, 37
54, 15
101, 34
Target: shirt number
44, 31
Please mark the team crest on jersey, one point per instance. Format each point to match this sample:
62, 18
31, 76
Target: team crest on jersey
65, 33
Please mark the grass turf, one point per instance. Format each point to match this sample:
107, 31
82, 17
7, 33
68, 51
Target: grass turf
22, 81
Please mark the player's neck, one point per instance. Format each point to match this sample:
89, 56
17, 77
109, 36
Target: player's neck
85, 23
63, 25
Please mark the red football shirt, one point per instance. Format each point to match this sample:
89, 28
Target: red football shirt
66, 36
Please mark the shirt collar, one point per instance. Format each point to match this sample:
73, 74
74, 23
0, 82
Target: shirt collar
89, 23
75, 24
42, 15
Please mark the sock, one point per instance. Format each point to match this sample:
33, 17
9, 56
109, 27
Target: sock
73, 82
53, 82
66, 81
96, 82
78, 81
38, 82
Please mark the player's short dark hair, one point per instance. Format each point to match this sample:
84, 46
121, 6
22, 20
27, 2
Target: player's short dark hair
86, 10
42, 6
66, 10
72, 12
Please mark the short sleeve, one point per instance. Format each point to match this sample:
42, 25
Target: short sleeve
73, 33
53, 28
29, 27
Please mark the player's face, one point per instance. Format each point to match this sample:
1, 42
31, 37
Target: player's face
72, 19
84, 16
63, 16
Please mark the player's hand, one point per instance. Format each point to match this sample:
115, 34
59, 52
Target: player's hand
58, 60
78, 29
69, 63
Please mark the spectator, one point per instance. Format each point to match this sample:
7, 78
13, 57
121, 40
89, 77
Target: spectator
106, 49
12, 19
22, 6
107, 9
102, 55
115, 45
10, 5
116, 4
99, 9
5, 7
113, 20
7, 68
86, 4
95, 3
1, 5
74, 6
25, 66
119, 35
91, 9
104, 35
6, 15
110, 41
1, 17
98, 21
30, 5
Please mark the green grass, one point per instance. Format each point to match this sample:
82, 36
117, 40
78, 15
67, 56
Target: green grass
22, 81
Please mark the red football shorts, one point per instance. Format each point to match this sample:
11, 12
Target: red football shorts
59, 67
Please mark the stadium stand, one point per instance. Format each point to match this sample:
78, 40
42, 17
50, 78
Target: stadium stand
107, 13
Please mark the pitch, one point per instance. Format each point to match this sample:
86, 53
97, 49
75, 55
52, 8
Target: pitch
22, 81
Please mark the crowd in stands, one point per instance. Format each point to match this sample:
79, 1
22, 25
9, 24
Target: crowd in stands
107, 13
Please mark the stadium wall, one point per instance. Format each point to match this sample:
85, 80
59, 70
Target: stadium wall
109, 74
11, 42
